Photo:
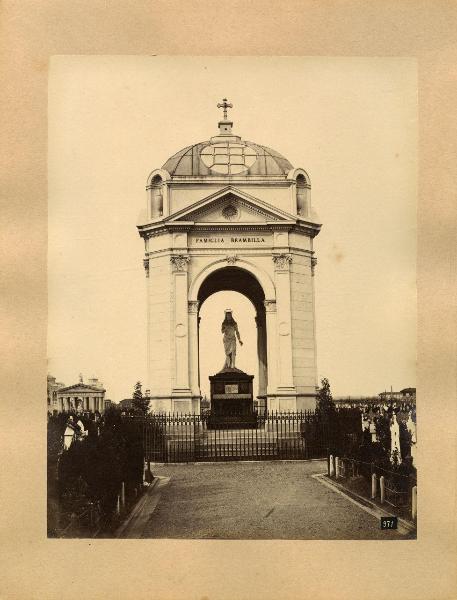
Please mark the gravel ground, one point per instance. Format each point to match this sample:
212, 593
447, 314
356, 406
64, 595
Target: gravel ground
257, 500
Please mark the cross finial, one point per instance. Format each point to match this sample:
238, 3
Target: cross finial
224, 105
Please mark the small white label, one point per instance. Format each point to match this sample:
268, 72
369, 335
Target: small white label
232, 388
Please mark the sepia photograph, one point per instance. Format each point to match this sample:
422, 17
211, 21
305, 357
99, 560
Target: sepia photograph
232, 317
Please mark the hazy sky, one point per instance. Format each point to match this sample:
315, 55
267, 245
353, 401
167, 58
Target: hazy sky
350, 122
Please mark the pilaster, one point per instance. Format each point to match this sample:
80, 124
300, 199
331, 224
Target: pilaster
282, 281
179, 264
193, 348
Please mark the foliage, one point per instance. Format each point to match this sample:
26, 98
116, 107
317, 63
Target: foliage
94, 467
405, 440
382, 424
140, 402
325, 406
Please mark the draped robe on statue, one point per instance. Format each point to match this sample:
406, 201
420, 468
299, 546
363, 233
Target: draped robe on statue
230, 330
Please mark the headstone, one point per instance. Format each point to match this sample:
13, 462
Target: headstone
374, 437
83, 431
395, 440
68, 437
411, 426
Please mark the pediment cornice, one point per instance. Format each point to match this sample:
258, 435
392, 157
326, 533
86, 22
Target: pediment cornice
264, 216
227, 195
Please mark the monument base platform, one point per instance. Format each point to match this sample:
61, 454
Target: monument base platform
232, 402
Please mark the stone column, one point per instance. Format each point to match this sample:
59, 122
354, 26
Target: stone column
262, 352
270, 313
181, 384
198, 346
193, 348
282, 281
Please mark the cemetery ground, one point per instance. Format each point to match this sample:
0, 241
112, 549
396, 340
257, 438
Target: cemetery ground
251, 500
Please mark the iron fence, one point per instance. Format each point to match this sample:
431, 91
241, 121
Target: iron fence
258, 435
397, 486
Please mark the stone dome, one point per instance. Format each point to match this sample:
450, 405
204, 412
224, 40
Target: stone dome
227, 155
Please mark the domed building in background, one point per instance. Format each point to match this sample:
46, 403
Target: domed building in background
229, 214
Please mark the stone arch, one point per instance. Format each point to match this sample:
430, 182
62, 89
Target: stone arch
164, 176
293, 174
263, 278
220, 275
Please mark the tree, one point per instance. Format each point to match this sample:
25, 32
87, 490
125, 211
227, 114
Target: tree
140, 402
324, 399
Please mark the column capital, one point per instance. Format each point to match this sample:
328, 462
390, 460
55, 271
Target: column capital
179, 262
270, 305
146, 266
282, 261
192, 307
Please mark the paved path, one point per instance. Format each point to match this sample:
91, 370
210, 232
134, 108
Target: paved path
257, 500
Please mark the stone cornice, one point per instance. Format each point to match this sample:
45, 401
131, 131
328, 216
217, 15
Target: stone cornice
252, 180
239, 251
309, 229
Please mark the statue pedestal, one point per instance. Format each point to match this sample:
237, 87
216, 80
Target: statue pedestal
232, 401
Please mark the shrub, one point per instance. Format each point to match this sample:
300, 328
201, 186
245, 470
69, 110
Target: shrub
94, 467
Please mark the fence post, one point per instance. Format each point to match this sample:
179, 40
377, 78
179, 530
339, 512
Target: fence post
73, 521
123, 495
118, 505
382, 488
337, 467
414, 502
148, 476
331, 466
373, 486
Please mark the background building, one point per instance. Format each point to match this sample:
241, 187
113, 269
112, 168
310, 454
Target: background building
53, 387
81, 397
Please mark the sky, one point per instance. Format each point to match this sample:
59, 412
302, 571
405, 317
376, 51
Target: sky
351, 123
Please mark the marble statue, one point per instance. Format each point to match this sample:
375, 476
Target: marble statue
230, 330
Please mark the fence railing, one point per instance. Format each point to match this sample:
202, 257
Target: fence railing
256, 436
394, 488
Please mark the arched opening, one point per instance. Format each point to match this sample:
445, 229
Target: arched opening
156, 197
302, 207
211, 357
235, 279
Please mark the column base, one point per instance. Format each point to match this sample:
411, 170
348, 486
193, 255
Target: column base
176, 403
290, 401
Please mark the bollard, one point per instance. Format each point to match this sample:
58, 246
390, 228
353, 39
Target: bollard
331, 466
373, 486
118, 505
123, 494
414, 503
337, 467
382, 488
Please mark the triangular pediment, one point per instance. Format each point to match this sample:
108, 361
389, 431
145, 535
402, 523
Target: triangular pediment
231, 206
80, 388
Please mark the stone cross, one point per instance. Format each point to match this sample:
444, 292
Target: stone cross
224, 105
